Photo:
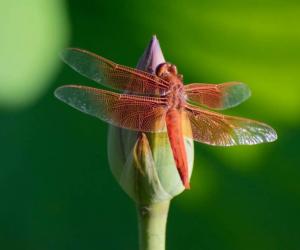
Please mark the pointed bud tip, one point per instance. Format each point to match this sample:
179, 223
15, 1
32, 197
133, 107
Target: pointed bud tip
143, 146
154, 38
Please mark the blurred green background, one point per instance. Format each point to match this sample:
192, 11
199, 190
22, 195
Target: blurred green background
56, 188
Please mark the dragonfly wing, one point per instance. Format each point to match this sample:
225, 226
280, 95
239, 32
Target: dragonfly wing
218, 96
221, 130
139, 113
113, 75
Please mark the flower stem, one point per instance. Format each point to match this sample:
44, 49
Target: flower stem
152, 225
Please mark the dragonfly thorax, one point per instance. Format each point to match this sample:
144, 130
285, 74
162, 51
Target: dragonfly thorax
176, 97
169, 73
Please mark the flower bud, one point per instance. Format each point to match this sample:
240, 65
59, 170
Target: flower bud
143, 163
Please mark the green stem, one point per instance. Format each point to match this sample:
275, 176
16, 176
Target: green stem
152, 225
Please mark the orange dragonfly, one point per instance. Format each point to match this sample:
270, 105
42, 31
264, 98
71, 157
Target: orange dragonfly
160, 102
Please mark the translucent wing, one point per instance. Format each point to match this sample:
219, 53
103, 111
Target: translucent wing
221, 130
113, 75
127, 111
218, 96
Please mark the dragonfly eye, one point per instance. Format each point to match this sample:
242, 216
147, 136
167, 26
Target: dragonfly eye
173, 69
162, 69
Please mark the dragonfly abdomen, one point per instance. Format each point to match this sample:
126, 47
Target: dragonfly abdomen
175, 134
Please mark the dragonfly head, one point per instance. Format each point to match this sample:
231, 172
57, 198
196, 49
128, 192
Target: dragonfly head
168, 71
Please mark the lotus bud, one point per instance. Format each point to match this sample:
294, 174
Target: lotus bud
143, 163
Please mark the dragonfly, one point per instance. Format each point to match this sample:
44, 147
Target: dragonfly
161, 103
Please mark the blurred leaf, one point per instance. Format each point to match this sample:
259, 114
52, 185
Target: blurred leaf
32, 34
